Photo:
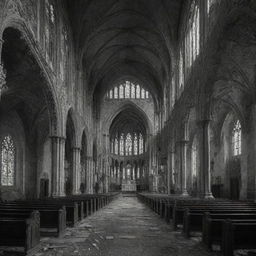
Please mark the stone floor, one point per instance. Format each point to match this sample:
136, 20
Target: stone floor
125, 227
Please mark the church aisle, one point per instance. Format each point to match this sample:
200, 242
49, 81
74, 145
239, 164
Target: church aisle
125, 227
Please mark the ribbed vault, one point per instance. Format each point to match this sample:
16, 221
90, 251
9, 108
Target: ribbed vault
117, 38
129, 120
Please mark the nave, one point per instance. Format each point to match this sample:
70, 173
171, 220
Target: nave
155, 98
124, 227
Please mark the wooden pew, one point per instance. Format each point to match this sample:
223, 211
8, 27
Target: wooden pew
213, 226
179, 211
20, 231
193, 218
52, 219
238, 234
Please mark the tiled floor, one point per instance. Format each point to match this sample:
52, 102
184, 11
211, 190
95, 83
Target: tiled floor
125, 227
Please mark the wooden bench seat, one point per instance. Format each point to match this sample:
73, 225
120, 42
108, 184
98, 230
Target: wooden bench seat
193, 218
20, 231
238, 234
52, 220
213, 226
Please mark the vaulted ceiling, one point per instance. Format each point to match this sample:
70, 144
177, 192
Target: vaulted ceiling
116, 38
129, 120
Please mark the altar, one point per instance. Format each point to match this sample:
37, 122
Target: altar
129, 186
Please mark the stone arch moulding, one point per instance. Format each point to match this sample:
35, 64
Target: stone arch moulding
130, 105
49, 89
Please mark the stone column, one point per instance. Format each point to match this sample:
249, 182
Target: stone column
183, 165
58, 173
171, 163
89, 174
76, 177
205, 168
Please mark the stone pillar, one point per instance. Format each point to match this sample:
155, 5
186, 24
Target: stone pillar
205, 168
58, 173
89, 174
171, 162
76, 177
183, 166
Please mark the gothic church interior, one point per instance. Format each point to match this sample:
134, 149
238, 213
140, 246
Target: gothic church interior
147, 103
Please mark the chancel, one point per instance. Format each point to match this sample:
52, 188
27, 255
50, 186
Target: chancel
128, 127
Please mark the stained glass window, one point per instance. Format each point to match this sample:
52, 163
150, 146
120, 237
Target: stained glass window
116, 146
137, 92
135, 144
133, 91
141, 148
122, 145
116, 93
236, 139
121, 92
192, 37
128, 144
7, 161
142, 93
127, 90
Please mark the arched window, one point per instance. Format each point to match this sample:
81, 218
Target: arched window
127, 89
135, 144
121, 91
133, 91
122, 145
137, 92
7, 161
142, 93
192, 37
128, 144
116, 145
236, 139
116, 93
141, 147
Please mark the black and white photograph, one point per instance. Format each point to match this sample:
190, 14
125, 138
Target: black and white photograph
127, 127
